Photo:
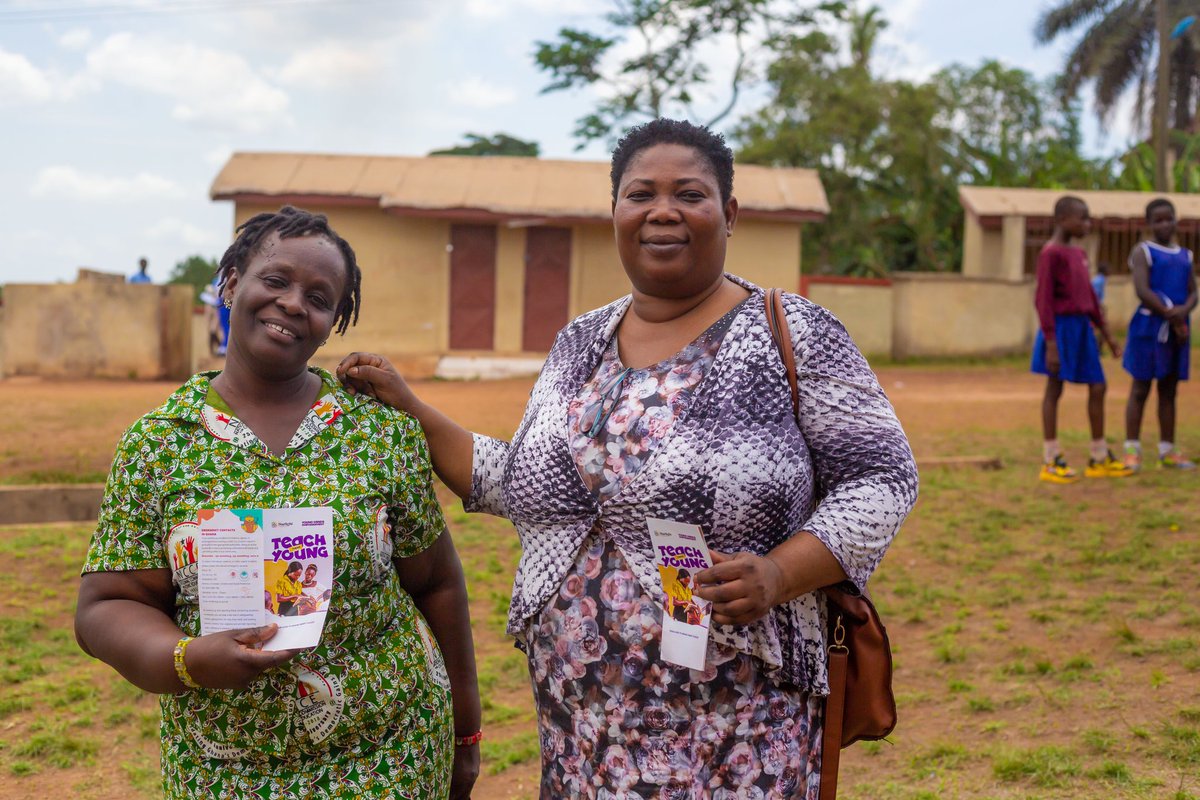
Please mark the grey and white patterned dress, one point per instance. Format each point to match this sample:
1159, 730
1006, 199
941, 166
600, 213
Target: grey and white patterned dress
734, 462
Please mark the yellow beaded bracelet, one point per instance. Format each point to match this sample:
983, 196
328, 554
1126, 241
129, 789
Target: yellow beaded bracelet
181, 666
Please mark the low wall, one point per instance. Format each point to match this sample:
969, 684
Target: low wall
938, 314
864, 306
97, 329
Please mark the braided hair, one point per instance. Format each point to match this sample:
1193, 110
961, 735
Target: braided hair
289, 222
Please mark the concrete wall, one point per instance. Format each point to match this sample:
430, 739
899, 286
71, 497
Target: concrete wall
97, 329
938, 314
982, 248
865, 309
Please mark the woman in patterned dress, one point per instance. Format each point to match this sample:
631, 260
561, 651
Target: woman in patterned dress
672, 403
368, 712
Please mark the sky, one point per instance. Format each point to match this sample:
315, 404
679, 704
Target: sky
116, 115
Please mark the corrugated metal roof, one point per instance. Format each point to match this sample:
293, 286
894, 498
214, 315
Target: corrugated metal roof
506, 186
994, 201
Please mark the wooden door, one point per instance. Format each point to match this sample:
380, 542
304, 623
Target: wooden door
472, 286
547, 286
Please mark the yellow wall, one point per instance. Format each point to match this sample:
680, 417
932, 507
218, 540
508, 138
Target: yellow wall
597, 277
97, 329
940, 314
766, 253
865, 310
510, 289
405, 281
983, 250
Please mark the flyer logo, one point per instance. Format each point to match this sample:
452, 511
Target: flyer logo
320, 700
183, 550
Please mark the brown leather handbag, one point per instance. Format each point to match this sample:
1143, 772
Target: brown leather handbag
861, 704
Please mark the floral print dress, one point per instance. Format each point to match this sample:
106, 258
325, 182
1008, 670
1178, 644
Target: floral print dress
365, 713
615, 720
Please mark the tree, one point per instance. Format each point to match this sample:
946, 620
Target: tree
874, 142
892, 153
663, 72
1117, 51
195, 271
498, 144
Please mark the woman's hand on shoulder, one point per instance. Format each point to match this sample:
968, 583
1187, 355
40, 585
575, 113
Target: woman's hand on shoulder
233, 659
741, 586
374, 375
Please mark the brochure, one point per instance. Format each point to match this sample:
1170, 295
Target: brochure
264, 565
680, 552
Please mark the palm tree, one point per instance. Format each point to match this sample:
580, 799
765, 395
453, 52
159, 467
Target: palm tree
1117, 50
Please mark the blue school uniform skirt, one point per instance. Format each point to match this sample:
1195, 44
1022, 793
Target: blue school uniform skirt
1153, 351
1078, 351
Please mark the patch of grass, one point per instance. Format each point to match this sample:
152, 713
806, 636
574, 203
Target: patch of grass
500, 754
58, 749
1047, 767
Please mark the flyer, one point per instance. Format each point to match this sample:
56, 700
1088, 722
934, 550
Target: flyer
264, 565
679, 553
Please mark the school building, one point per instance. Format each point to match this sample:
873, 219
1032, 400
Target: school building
491, 256
987, 308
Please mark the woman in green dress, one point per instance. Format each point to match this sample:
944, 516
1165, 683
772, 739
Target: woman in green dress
367, 712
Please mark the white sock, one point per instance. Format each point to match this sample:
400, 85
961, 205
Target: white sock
1098, 449
1050, 450
1164, 448
1134, 445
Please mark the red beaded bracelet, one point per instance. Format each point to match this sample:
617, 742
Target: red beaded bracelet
467, 741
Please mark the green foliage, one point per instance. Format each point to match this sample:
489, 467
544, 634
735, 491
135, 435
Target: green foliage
1116, 50
661, 77
498, 144
195, 271
892, 153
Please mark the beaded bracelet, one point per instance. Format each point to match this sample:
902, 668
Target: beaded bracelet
467, 741
181, 667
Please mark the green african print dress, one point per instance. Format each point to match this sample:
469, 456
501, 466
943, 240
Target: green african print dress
366, 713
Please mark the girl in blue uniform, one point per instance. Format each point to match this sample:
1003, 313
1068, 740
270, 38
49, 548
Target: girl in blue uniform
1159, 334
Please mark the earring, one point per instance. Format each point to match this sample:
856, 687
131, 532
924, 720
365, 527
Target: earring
228, 303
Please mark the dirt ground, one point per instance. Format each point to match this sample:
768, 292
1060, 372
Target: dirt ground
70, 428
67, 430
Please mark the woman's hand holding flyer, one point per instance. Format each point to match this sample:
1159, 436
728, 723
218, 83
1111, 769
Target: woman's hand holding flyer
680, 553
261, 566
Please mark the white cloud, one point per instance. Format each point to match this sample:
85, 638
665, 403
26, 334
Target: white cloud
331, 65
475, 92
176, 230
21, 82
495, 9
218, 156
70, 183
212, 88
75, 39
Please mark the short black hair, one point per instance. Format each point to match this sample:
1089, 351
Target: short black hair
711, 146
290, 221
1068, 203
1158, 202
293, 566
683, 573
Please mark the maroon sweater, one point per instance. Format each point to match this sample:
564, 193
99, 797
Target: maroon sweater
1064, 286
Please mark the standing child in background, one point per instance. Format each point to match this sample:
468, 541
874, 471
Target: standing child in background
1159, 340
1066, 349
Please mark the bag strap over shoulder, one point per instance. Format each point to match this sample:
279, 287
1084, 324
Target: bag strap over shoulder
777, 320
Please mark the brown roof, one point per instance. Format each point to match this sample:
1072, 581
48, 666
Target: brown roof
994, 201
496, 186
